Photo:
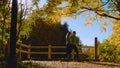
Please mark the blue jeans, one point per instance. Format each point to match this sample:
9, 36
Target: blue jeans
69, 49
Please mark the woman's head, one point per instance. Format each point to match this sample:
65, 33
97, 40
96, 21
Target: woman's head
69, 33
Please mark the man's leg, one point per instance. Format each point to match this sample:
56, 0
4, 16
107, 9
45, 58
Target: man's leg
71, 48
76, 50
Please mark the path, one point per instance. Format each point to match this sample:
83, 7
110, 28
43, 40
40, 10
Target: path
72, 64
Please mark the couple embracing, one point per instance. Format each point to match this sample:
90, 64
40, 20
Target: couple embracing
72, 41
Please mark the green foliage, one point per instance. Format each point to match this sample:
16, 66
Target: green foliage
87, 54
107, 52
5, 37
91, 10
114, 4
4, 21
115, 37
25, 30
90, 53
83, 57
44, 33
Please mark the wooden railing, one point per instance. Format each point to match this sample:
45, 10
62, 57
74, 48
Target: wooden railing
49, 47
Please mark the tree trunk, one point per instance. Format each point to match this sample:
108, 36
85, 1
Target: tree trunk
11, 62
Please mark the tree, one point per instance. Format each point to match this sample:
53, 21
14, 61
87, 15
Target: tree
4, 28
12, 56
99, 10
44, 33
115, 37
4, 19
23, 25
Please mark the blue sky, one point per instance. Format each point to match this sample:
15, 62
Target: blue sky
86, 34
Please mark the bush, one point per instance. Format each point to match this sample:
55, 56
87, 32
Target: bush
90, 52
108, 52
87, 54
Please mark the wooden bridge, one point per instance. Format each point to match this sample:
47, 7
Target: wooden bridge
49, 53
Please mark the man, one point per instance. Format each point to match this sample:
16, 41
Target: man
74, 41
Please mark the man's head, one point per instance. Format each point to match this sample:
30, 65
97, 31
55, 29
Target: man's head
74, 33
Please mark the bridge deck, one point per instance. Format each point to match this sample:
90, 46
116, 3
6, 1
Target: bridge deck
74, 64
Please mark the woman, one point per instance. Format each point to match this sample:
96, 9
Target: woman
68, 43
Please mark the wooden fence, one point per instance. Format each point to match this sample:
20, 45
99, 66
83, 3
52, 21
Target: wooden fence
49, 47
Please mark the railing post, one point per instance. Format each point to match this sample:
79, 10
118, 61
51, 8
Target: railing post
73, 55
96, 46
49, 51
20, 49
29, 50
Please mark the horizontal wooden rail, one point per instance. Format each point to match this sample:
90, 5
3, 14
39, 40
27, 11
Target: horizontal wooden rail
85, 46
39, 46
49, 47
23, 51
58, 53
38, 52
22, 45
60, 47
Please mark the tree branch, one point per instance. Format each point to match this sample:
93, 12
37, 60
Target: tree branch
106, 15
103, 14
103, 4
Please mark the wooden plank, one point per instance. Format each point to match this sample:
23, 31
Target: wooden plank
49, 51
65, 53
18, 44
85, 46
39, 53
58, 52
23, 45
39, 46
29, 50
47, 46
23, 51
58, 46
53, 46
